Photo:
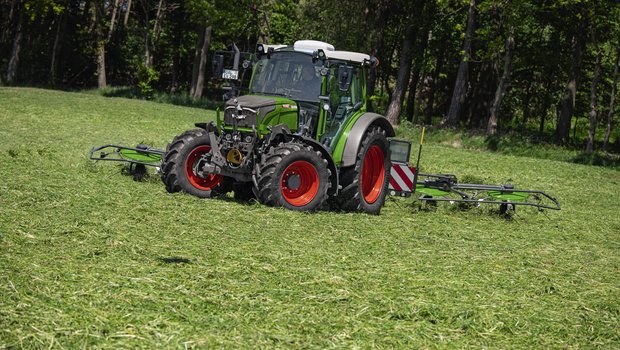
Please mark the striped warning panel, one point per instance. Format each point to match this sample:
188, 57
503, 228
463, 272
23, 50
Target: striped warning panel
401, 178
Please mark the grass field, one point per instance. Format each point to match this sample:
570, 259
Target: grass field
90, 258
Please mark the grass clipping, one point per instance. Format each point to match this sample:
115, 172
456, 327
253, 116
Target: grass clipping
91, 258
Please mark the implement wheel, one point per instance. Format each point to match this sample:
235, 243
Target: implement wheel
365, 184
181, 167
294, 176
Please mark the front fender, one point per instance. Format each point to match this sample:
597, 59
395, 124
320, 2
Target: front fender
333, 189
282, 131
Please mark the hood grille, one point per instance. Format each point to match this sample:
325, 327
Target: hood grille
248, 117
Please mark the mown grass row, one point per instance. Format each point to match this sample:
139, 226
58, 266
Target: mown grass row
91, 258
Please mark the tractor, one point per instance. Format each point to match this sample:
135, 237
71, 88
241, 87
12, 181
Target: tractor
299, 138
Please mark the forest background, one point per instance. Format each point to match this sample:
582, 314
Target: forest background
545, 69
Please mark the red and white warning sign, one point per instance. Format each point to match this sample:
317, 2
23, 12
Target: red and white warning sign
402, 177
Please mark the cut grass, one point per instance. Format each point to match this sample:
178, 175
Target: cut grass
90, 258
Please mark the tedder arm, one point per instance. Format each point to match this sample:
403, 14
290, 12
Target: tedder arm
405, 180
442, 187
137, 157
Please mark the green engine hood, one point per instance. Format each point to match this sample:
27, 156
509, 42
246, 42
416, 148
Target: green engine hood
260, 112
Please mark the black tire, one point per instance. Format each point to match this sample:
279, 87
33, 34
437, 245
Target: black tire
179, 163
365, 192
294, 176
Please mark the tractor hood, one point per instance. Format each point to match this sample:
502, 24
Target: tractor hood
256, 102
252, 102
260, 112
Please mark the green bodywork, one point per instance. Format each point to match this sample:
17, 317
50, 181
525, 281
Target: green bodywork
139, 156
508, 196
429, 191
285, 112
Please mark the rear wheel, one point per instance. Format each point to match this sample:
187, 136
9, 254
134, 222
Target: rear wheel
365, 184
182, 167
294, 176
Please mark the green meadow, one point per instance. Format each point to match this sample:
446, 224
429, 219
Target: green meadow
90, 258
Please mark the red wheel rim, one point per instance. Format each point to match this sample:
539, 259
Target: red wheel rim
373, 174
299, 183
201, 183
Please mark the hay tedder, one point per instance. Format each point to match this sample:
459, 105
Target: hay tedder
300, 138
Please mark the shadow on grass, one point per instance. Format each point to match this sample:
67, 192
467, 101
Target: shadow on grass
175, 260
178, 99
539, 146
600, 159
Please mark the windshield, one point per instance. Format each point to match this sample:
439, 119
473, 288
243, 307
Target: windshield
288, 74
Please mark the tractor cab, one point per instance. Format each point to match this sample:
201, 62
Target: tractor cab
327, 86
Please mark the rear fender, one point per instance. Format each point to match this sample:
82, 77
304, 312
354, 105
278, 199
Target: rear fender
356, 134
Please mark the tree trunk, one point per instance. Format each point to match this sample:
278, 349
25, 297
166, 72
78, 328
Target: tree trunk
176, 57
562, 131
6, 33
159, 17
593, 105
501, 87
430, 103
266, 26
127, 11
452, 119
202, 65
97, 26
101, 74
526, 104
545, 106
612, 100
60, 30
197, 54
411, 95
17, 46
377, 47
402, 80
113, 19
413, 102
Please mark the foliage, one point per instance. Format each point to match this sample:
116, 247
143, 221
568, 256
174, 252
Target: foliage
147, 76
92, 259
58, 42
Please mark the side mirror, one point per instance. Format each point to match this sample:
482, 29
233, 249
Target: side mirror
218, 65
345, 74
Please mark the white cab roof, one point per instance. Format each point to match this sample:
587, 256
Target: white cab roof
347, 56
310, 46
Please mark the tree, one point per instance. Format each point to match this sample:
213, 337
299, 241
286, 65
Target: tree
460, 87
402, 80
593, 102
200, 62
612, 99
501, 87
15, 52
577, 43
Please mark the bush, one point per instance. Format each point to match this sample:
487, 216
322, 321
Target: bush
146, 77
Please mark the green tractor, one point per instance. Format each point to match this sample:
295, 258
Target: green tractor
301, 137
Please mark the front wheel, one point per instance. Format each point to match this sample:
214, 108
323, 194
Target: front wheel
365, 184
181, 168
294, 176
